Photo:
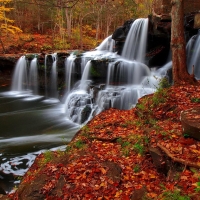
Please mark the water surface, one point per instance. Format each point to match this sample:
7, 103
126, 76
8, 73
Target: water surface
29, 125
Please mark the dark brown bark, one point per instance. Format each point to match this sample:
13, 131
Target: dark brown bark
178, 45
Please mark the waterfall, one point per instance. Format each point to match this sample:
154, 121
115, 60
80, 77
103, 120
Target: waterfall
124, 76
107, 45
85, 76
193, 55
69, 69
45, 74
123, 79
33, 76
20, 77
126, 72
53, 78
135, 44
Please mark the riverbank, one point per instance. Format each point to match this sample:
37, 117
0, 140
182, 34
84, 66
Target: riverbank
136, 154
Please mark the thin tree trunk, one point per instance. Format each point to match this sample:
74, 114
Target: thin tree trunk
180, 74
69, 21
4, 51
81, 28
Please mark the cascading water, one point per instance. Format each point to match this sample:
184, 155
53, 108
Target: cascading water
193, 55
107, 45
85, 77
135, 44
53, 78
126, 72
45, 74
20, 78
69, 70
33, 76
127, 76
124, 77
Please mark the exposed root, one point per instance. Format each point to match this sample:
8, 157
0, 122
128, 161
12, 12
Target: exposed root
179, 160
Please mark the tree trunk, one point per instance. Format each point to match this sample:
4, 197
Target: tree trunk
180, 74
4, 51
69, 21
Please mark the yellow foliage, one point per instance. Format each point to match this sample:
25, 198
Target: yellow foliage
6, 23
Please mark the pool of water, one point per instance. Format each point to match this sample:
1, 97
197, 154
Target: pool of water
29, 125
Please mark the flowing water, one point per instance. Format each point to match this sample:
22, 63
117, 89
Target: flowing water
29, 125
33, 76
193, 54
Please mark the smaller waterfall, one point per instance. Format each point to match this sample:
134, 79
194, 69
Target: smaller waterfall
45, 74
85, 77
20, 77
33, 76
107, 45
135, 44
69, 69
53, 78
126, 72
50, 75
193, 55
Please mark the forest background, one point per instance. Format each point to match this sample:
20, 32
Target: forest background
38, 25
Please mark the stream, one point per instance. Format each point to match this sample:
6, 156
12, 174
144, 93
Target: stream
29, 125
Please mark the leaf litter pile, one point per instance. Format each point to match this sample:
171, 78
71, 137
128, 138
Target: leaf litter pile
112, 157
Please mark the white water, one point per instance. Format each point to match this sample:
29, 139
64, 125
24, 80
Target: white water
20, 79
126, 72
127, 77
85, 77
69, 70
107, 45
193, 51
33, 76
124, 77
53, 78
135, 44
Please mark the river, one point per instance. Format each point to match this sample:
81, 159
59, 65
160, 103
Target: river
29, 125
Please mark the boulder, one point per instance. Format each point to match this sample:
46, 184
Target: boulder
190, 120
121, 32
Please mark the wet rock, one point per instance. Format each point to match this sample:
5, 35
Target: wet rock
8, 61
2, 191
85, 113
121, 32
190, 120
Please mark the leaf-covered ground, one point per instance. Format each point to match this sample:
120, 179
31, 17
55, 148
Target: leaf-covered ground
110, 157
